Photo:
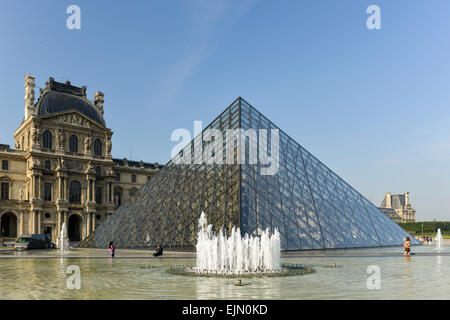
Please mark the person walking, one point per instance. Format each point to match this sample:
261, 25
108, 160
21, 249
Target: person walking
112, 249
407, 246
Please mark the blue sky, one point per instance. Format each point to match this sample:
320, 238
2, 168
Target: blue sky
373, 105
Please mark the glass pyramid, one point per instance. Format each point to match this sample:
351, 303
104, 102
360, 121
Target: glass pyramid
310, 205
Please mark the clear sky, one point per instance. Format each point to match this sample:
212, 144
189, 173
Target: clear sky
373, 105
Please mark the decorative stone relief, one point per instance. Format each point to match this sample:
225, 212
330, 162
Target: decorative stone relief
73, 164
74, 119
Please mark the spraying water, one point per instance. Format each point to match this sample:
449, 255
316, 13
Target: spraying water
63, 239
236, 255
439, 240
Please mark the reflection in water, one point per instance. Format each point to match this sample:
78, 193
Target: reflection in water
419, 276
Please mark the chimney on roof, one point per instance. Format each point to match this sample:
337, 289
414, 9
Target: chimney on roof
99, 99
406, 198
29, 96
388, 197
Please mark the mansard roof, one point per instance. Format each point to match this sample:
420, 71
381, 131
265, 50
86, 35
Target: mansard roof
59, 97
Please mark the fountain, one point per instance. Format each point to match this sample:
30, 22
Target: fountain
234, 256
439, 240
63, 239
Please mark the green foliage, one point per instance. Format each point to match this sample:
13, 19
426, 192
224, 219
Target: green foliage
429, 227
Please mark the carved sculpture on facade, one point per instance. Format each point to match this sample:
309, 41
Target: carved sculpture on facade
60, 139
36, 135
108, 145
109, 172
37, 163
29, 95
90, 167
88, 144
61, 164
99, 100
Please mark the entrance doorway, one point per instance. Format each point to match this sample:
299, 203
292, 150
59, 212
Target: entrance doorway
8, 225
74, 229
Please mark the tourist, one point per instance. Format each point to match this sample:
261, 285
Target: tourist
430, 241
159, 250
407, 246
112, 249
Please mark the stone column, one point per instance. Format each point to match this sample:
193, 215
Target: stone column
65, 189
20, 231
93, 221
39, 214
39, 187
88, 224
58, 223
31, 228
59, 195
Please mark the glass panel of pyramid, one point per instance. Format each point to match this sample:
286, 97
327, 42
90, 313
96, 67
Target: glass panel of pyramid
308, 203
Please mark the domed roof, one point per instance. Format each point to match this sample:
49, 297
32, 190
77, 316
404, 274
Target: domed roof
59, 97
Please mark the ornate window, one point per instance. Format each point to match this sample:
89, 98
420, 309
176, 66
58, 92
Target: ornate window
73, 143
48, 165
47, 192
133, 178
47, 139
4, 164
98, 195
98, 171
117, 176
75, 192
97, 147
117, 197
4, 191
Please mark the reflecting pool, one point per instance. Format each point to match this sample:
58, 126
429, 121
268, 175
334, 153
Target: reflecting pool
137, 275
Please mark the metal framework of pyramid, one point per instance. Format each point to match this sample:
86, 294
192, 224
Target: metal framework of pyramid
310, 205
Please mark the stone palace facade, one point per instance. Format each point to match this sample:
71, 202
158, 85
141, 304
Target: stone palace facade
398, 207
61, 169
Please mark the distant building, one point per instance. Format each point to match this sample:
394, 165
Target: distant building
61, 169
398, 207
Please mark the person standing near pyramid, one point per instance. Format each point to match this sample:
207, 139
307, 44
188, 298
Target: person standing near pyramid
407, 246
112, 249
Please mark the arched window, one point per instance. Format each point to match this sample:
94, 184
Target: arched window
97, 147
73, 143
75, 192
47, 139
